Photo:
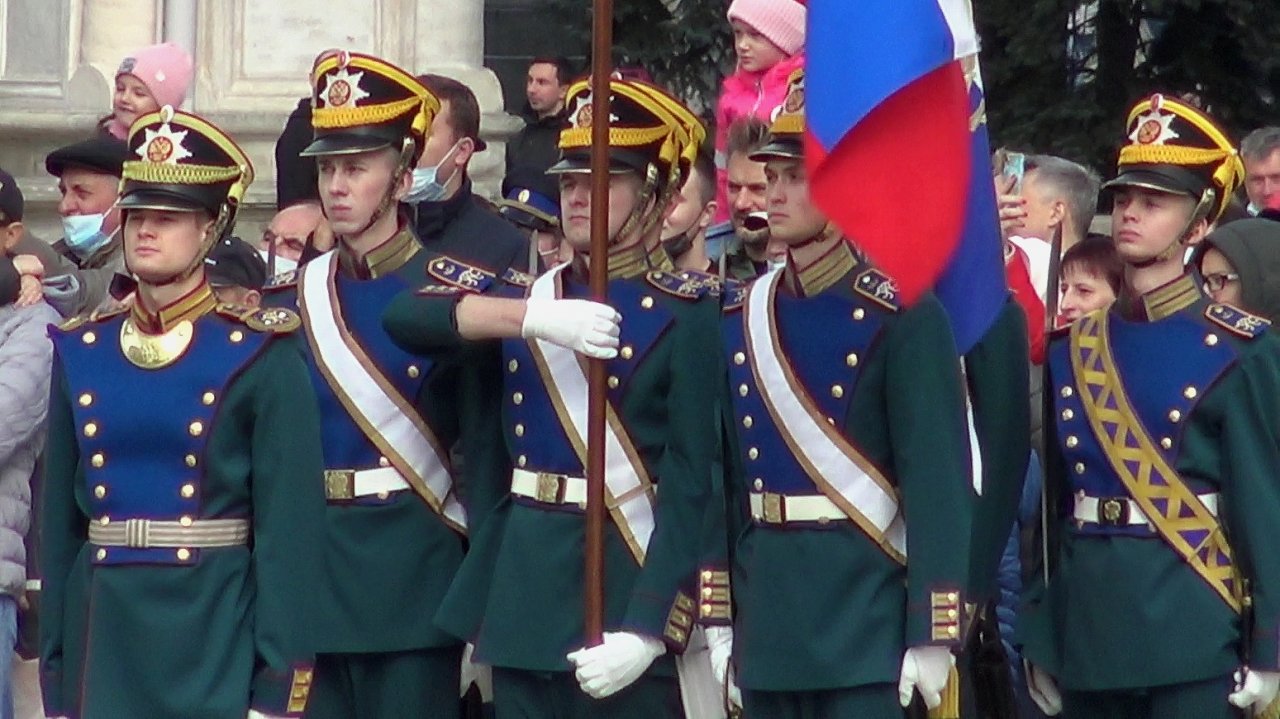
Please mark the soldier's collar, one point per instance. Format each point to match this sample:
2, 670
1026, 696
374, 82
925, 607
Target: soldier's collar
188, 307
1166, 300
636, 260
383, 259
823, 272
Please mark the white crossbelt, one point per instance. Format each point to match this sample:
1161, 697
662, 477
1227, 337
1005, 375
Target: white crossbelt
773, 508
342, 484
549, 488
1123, 511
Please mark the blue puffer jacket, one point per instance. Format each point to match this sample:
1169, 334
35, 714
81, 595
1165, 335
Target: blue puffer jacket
1010, 575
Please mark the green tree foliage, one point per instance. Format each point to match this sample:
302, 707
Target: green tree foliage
1224, 54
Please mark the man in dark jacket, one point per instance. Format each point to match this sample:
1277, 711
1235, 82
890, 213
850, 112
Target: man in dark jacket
532, 150
448, 217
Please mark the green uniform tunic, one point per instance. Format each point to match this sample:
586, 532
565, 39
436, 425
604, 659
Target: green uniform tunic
229, 430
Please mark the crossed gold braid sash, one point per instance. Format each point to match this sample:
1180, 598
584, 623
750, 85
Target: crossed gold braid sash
373, 402
830, 460
1177, 514
628, 489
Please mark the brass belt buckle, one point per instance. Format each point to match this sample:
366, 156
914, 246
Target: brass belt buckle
1113, 511
772, 505
550, 488
339, 484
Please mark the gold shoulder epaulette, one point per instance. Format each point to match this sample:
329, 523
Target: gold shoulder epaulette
517, 278
72, 323
459, 274
282, 281
735, 294
1236, 321
684, 284
277, 320
877, 287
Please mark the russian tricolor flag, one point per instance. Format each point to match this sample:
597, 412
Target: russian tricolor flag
897, 150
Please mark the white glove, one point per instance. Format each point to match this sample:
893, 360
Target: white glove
474, 673
610, 667
720, 646
255, 714
1254, 688
580, 325
925, 669
1043, 689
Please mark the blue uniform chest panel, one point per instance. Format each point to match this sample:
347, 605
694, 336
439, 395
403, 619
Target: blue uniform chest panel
139, 431
1165, 368
362, 303
819, 335
533, 427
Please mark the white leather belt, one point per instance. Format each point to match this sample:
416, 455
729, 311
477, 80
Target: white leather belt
549, 488
145, 533
1124, 511
344, 484
773, 508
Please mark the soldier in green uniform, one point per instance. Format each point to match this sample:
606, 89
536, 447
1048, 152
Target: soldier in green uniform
519, 595
1164, 595
849, 500
182, 498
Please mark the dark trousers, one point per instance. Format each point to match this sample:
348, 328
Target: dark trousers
1197, 700
519, 694
874, 701
387, 685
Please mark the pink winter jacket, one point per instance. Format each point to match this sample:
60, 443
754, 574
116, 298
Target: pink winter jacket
743, 94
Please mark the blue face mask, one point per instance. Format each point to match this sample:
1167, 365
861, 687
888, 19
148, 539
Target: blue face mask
427, 185
83, 233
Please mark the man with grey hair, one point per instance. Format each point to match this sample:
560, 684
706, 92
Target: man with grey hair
1056, 193
1260, 151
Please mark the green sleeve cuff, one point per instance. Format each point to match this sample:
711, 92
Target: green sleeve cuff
282, 694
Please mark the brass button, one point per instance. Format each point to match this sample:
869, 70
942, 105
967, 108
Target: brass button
952, 631
100, 491
207, 398
1067, 414
706, 575
188, 491
91, 429
1211, 340
758, 485
519, 430
513, 365
614, 382
518, 398
191, 460
831, 421
743, 390
1067, 392
102, 554
183, 554
747, 421
196, 428
953, 597
522, 460
837, 391
237, 336
413, 371
1072, 441
1079, 467
97, 460
824, 521
1166, 442
753, 453
89, 338
185, 521
1189, 393
706, 592
952, 614
626, 352
851, 359
739, 358
104, 520
647, 303
859, 313
383, 494
86, 399
384, 462
1175, 416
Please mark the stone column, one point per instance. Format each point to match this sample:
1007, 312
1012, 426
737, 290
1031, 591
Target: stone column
180, 29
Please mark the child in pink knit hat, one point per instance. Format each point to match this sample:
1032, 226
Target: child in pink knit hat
147, 80
768, 37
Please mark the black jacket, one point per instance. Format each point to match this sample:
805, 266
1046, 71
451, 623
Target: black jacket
531, 151
463, 228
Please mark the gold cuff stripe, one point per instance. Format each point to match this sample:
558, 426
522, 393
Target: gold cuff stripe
328, 118
167, 174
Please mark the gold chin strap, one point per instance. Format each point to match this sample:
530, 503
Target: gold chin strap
639, 219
